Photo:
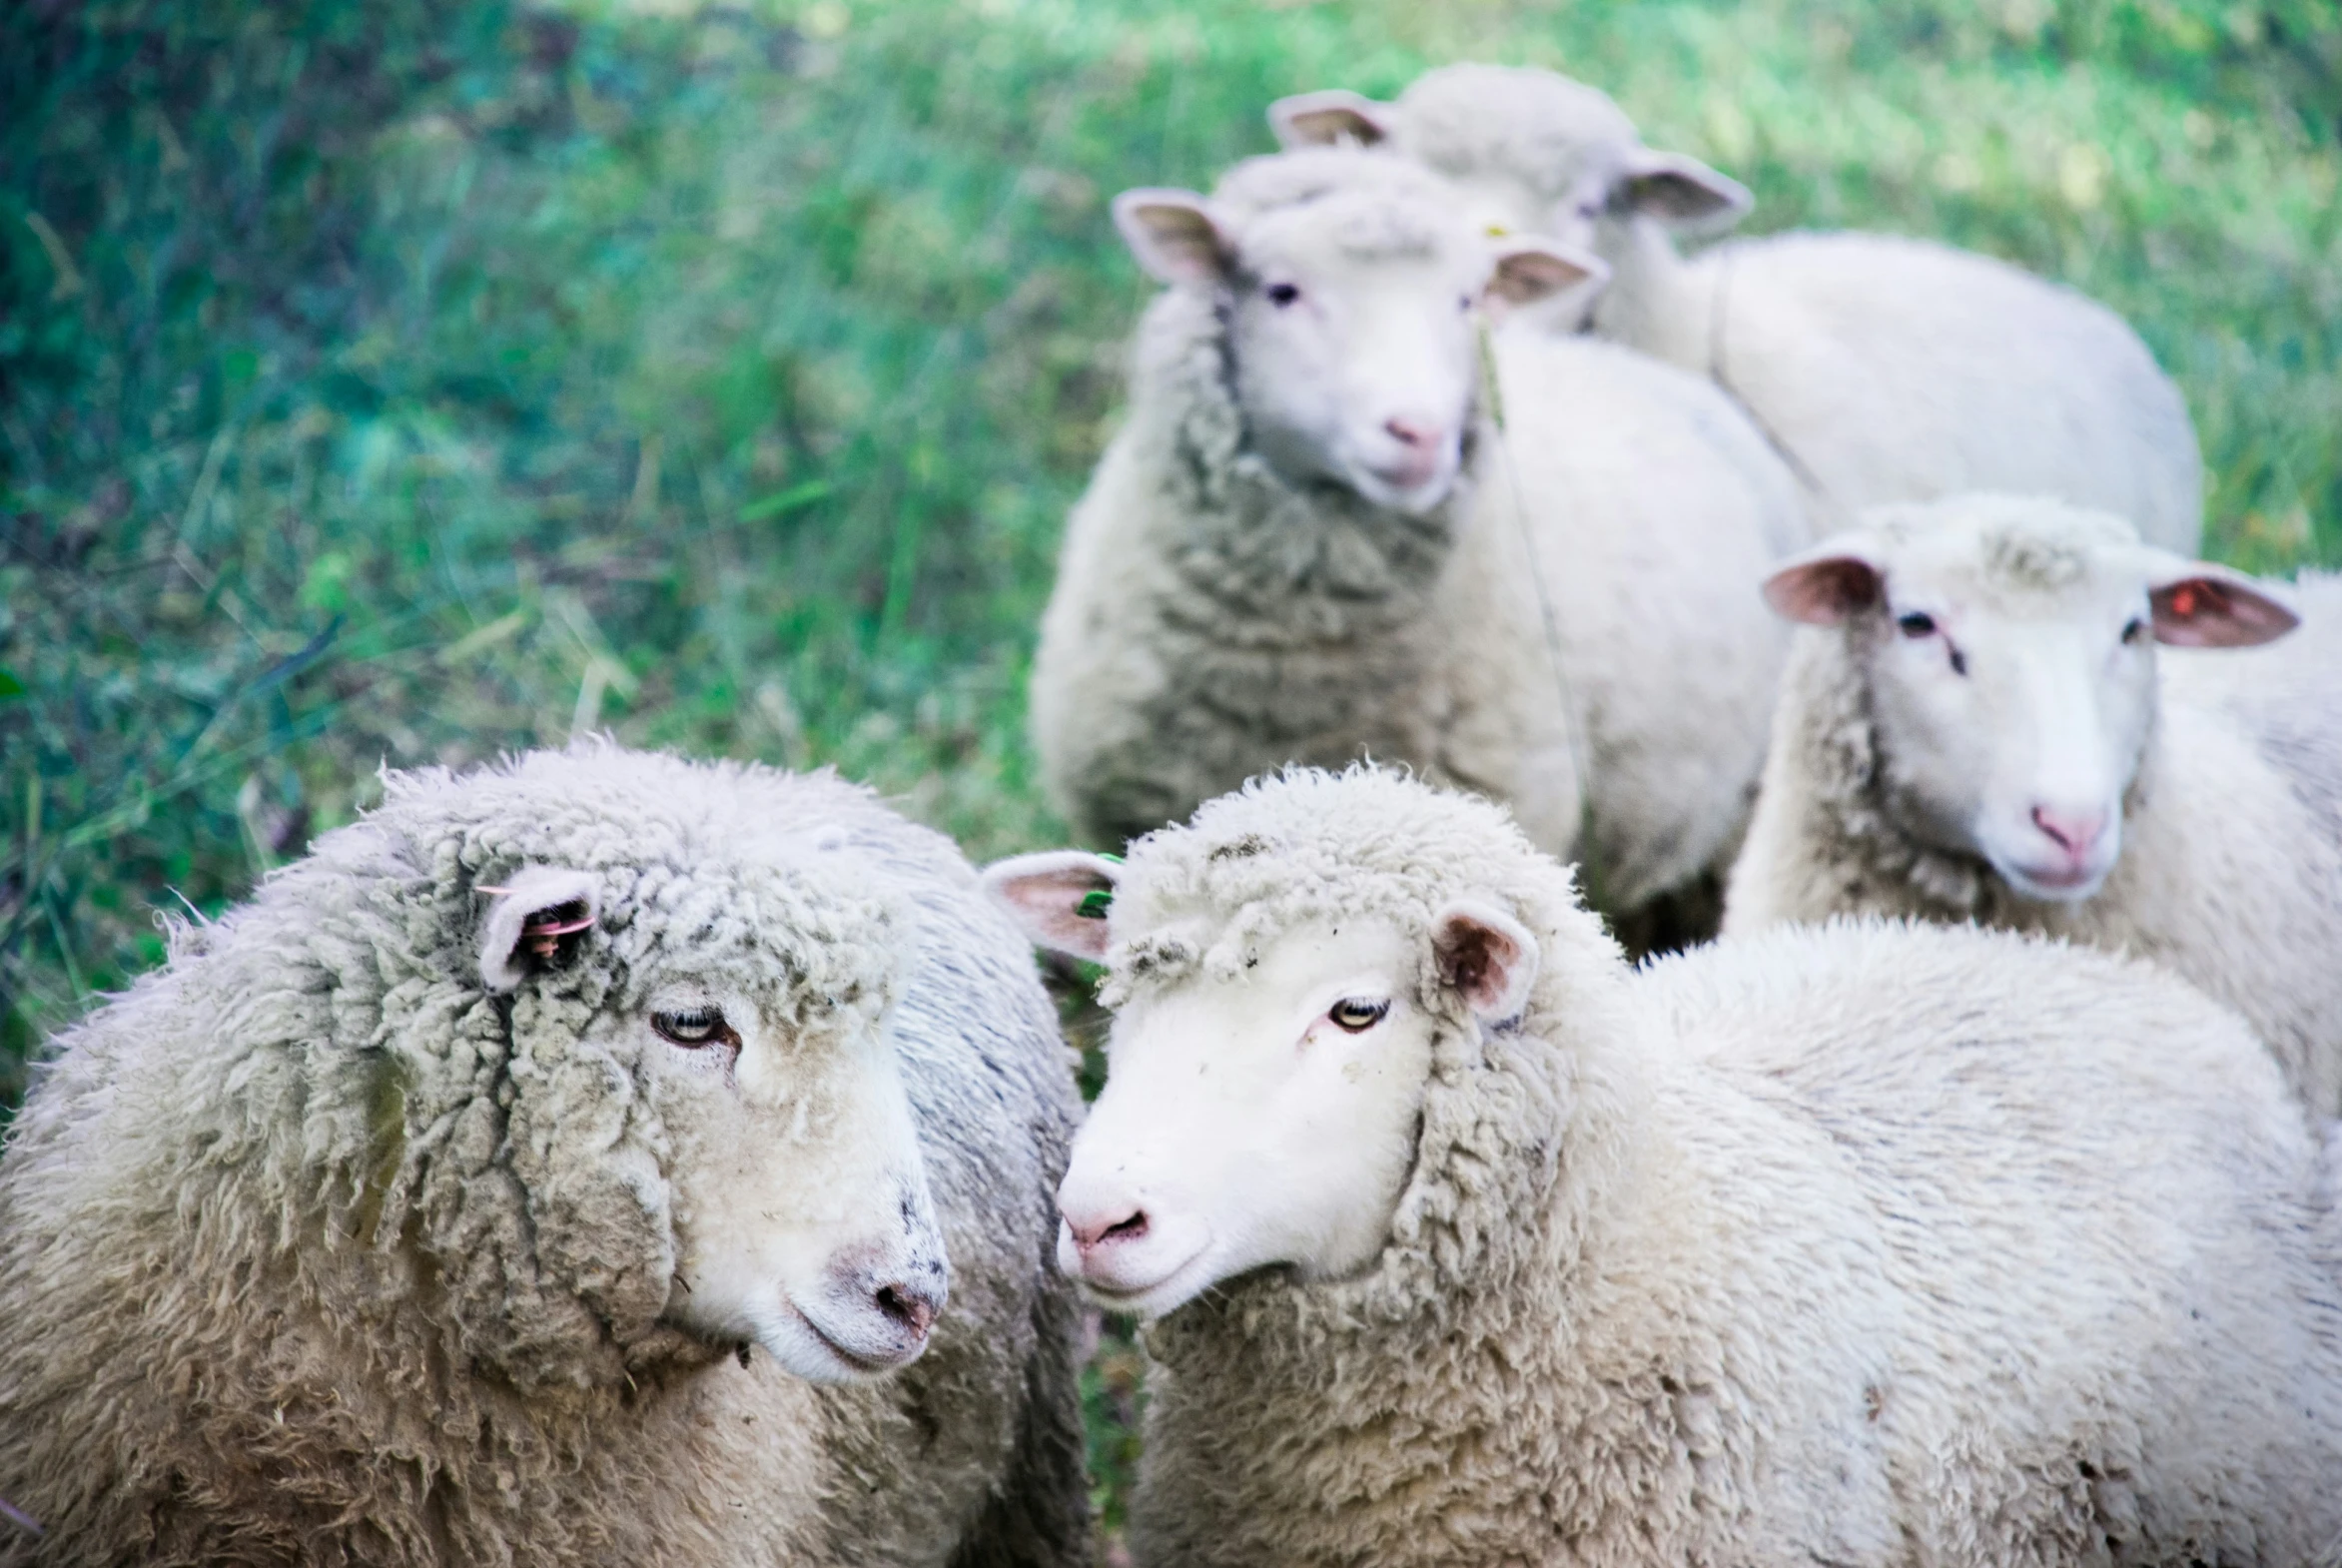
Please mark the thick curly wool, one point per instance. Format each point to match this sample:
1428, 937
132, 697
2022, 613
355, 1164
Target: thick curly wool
1537, 129
315, 1251
1214, 618
2231, 864
1678, 1277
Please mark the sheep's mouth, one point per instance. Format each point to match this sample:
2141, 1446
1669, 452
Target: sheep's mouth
858, 1360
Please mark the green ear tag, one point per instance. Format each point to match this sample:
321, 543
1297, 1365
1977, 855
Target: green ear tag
1093, 904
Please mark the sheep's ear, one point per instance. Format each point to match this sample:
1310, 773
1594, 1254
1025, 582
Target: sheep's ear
1176, 235
2202, 605
537, 920
1827, 585
1487, 957
1682, 193
1059, 900
1328, 118
1530, 270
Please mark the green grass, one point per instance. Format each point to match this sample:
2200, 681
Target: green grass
408, 382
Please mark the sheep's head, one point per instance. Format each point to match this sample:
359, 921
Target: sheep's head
707, 1138
2007, 652
1351, 288
1531, 151
1292, 975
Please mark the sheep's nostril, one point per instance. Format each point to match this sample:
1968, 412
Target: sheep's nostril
1129, 1229
907, 1306
1407, 432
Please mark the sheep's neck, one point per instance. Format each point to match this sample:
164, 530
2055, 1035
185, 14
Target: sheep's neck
1885, 867
1657, 302
1452, 1372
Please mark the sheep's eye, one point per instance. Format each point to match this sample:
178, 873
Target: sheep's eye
694, 1027
1916, 625
1282, 295
2135, 630
1356, 1014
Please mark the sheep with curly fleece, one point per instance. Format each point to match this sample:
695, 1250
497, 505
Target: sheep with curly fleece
1312, 542
1873, 1244
1981, 725
1889, 368
555, 1167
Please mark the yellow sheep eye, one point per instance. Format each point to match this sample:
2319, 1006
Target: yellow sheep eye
694, 1027
1356, 1014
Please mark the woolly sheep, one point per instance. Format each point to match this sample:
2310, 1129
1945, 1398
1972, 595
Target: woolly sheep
1309, 543
1874, 1243
538, 1172
1891, 369
1980, 726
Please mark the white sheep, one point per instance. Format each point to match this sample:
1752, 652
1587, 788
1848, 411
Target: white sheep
542, 1172
1891, 370
1982, 727
1867, 1245
1308, 543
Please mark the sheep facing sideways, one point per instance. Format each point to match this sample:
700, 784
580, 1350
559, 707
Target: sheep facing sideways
1892, 369
1980, 725
1873, 1244
1310, 543
541, 1172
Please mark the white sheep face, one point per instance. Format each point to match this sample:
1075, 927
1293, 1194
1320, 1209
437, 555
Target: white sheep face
803, 1221
790, 1171
1263, 1119
2012, 677
1354, 322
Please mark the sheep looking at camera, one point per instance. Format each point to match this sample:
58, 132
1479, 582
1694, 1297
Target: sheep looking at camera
542, 1172
1980, 726
1311, 541
1465, 1244
1889, 368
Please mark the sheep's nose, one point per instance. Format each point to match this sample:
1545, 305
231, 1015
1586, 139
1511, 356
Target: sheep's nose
1413, 433
1091, 1231
2073, 831
911, 1303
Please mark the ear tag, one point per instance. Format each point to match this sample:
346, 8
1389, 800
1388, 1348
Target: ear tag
544, 930
2183, 601
1095, 904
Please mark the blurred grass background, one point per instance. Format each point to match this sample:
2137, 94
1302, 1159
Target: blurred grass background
409, 381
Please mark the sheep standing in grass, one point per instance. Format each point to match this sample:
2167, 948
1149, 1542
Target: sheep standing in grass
1892, 369
542, 1172
1980, 726
1872, 1244
1310, 542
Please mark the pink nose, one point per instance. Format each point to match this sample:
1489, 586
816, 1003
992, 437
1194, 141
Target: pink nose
2075, 831
1093, 1231
1416, 434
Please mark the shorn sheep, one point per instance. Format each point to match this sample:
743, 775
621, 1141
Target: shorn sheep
1310, 542
545, 1170
1980, 725
1892, 369
1874, 1243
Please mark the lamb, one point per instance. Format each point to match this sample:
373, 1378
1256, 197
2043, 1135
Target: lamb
1892, 369
1980, 726
545, 1170
1311, 542
1874, 1243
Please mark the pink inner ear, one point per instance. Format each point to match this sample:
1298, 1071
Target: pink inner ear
1823, 593
2207, 613
1486, 964
1060, 900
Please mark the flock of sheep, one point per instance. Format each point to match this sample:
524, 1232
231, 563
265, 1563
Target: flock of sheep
605, 1157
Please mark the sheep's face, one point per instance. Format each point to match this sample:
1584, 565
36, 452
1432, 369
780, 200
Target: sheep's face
802, 1205
1264, 1117
737, 1091
1352, 325
803, 1221
2010, 674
